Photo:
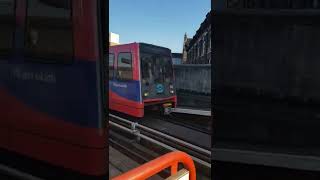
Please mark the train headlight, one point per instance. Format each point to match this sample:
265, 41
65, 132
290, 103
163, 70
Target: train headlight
146, 94
171, 89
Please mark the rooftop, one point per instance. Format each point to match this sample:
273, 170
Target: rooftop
204, 25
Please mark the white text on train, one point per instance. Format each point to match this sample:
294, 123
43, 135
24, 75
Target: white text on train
120, 85
47, 77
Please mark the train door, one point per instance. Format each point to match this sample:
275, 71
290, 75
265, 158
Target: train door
125, 86
111, 67
7, 29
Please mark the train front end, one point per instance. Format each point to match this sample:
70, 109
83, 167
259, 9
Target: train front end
157, 78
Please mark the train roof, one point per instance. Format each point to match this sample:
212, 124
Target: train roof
152, 45
145, 46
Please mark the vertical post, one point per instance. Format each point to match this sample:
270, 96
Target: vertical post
174, 168
135, 131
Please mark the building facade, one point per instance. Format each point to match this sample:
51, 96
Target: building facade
186, 42
114, 39
198, 49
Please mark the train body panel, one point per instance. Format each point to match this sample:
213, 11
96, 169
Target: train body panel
51, 99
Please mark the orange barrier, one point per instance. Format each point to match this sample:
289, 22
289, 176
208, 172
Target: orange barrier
155, 166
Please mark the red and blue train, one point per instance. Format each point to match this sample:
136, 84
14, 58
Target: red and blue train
52, 96
140, 76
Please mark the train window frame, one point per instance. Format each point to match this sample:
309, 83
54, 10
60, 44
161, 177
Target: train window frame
9, 50
131, 67
49, 58
113, 62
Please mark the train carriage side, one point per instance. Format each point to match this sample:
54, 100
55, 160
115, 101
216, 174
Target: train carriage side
51, 109
124, 80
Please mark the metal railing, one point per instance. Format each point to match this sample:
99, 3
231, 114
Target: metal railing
170, 160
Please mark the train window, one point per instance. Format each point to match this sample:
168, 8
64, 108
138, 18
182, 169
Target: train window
49, 34
111, 65
124, 71
7, 26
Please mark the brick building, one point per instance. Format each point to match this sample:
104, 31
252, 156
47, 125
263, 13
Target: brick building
198, 49
186, 42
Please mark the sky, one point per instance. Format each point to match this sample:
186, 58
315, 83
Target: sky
158, 22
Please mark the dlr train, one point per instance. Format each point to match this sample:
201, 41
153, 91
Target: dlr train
52, 96
141, 77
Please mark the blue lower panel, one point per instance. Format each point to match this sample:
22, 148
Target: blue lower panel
67, 92
129, 89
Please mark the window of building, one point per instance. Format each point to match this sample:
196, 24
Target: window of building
209, 40
7, 26
201, 46
124, 69
111, 65
277, 4
49, 34
234, 3
193, 52
204, 45
198, 49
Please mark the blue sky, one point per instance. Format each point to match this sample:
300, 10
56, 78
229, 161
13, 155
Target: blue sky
159, 22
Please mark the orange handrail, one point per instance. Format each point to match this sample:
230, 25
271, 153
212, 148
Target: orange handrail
157, 165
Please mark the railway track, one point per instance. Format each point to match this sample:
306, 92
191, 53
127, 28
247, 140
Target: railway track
135, 151
159, 141
194, 122
9, 173
253, 172
143, 151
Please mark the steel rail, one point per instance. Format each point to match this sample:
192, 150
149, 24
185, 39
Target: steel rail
157, 142
17, 174
207, 152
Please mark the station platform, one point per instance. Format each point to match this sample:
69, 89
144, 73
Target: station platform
193, 111
194, 101
119, 163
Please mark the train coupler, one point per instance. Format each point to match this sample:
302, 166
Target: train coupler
167, 108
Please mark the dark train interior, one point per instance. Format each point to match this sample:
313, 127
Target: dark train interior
267, 82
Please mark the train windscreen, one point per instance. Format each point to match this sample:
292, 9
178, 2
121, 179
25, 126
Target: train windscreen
156, 68
156, 71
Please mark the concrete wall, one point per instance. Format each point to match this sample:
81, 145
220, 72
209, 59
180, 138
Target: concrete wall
193, 78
